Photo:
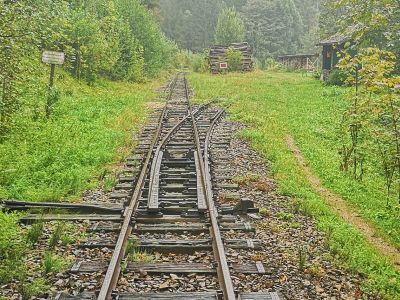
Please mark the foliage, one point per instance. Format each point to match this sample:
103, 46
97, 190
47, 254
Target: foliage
116, 39
191, 23
230, 27
53, 263
34, 288
35, 232
234, 59
273, 27
372, 23
336, 77
375, 111
89, 130
279, 104
12, 248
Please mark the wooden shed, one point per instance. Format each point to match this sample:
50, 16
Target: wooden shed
218, 60
308, 62
330, 49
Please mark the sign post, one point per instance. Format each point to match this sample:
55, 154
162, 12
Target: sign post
53, 58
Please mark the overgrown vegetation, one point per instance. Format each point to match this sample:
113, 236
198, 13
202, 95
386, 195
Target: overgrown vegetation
273, 28
277, 104
12, 248
90, 129
230, 28
115, 39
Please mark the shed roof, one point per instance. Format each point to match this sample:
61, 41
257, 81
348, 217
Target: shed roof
336, 39
298, 56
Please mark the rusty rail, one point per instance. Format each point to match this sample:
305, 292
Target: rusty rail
114, 268
223, 272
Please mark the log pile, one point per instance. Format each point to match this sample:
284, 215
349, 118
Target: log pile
218, 55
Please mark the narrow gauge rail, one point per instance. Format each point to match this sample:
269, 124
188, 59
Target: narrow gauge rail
173, 193
178, 150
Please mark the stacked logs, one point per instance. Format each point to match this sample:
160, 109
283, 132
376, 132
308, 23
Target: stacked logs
218, 55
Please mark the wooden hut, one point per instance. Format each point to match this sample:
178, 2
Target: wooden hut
308, 62
330, 49
218, 60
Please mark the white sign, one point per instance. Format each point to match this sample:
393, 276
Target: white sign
52, 57
223, 65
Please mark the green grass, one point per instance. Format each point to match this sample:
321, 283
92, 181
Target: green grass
277, 104
90, 129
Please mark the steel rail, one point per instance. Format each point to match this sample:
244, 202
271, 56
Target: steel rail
223, 272
159, 153
114, 268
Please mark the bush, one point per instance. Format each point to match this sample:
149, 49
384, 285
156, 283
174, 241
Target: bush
336, 77
200, 63
234, 59
272, 65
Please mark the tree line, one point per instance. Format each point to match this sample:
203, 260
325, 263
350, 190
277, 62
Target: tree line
116, 39
272, 27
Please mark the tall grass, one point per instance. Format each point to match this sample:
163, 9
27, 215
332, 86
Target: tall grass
89, 129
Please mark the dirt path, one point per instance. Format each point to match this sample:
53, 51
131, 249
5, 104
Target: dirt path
344, 210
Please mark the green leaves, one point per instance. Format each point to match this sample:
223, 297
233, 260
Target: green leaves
230, 28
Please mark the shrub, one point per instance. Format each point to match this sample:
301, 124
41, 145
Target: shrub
200, 63
336, 77
272, 65
234, 59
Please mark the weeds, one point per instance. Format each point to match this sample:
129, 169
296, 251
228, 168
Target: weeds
140, 257
56, 235
263, 211
53, 263
13, 247
37, 287
302, 255
35, 232
285, 216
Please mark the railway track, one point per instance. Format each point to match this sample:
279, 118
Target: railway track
166, 225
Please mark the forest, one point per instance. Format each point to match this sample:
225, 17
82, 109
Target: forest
326, 134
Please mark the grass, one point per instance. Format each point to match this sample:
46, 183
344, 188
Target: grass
53, 263
36, 287
13, 246
35, 232
89, 131
277, 104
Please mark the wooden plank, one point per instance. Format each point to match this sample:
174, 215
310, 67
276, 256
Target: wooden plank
173, 228
83, 296
48, 218
260, 296
168, 296
81, 207
153, 203
164, 268
166, 219
201, 200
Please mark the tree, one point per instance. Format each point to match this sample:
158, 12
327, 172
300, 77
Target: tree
230, 27
273, 27
190, 23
